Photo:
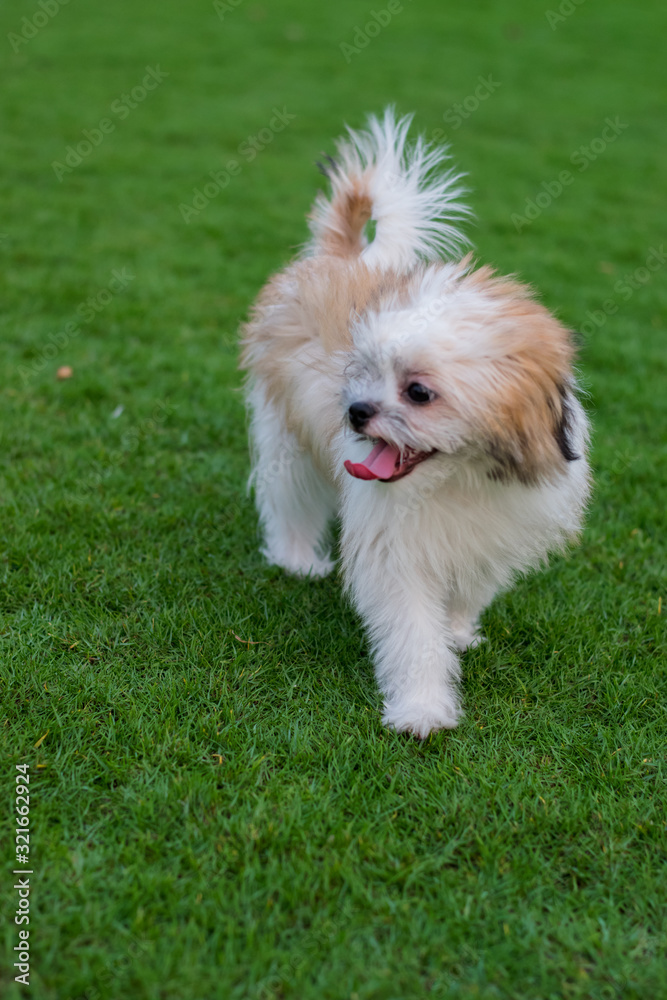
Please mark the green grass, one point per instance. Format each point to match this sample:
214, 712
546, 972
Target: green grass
216, 811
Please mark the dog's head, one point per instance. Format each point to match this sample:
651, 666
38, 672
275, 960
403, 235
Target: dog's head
460, 363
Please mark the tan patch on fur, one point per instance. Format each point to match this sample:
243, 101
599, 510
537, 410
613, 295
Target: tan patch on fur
523, 405
346, 216
298, 326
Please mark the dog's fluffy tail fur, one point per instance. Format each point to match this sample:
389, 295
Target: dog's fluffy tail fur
375, 176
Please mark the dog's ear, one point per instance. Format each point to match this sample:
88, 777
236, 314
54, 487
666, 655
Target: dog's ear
564, 429
528, 403
532, 435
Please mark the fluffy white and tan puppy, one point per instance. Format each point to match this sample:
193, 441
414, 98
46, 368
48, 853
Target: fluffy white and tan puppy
427, 404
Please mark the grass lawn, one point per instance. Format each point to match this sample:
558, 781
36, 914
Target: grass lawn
215, 808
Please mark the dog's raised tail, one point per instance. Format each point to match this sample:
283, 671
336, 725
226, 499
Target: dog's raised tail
415, 204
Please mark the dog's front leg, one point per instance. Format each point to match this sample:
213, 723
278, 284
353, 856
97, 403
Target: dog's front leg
403, 609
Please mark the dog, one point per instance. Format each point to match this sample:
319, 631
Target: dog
428, 404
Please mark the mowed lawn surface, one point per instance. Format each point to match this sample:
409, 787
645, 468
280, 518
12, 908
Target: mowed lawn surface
216, 810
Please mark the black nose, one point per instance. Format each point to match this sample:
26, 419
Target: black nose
360, 414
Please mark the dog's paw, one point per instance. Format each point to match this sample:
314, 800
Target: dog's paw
467, 638
465, 633
314, 568
422, 718
301, 563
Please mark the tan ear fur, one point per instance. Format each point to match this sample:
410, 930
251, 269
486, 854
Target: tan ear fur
524, 414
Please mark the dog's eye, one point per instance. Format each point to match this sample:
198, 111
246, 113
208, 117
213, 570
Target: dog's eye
418, 393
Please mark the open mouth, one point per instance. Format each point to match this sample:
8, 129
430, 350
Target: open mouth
387, 463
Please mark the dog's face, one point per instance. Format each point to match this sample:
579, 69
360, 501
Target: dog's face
473, 368
395, 394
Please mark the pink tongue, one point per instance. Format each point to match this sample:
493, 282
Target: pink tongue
380, 464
